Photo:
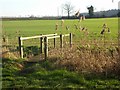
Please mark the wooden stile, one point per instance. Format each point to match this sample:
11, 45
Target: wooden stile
45, 38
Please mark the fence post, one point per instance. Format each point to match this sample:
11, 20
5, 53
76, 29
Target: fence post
46, 47
54, 42
70, 39
20, 46
41, 46
119, 42
61, 41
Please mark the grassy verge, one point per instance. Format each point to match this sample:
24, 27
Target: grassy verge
19, 74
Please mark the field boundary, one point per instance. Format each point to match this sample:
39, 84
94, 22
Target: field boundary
44, 38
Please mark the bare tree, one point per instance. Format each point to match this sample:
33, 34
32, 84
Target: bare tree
68, 8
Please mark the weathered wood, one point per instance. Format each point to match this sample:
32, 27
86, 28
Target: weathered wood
41, 44
45, 38
61, 40
20, 47
70, 39
25, 38
46, 47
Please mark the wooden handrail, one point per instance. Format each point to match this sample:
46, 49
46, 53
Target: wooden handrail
25, 38
53, 37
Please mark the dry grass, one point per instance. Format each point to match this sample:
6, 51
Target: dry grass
8, 53
87, 59
83, 59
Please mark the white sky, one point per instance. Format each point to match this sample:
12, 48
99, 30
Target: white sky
50, 7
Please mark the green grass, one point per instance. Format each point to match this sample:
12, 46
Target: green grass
33, 27
45, 75
37, 27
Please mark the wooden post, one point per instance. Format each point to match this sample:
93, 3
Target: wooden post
70, 39
41, 44
54, 42
46, 47
61, 41
119, 42
20, 47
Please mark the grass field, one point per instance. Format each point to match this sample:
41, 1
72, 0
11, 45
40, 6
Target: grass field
94, 67
13, 29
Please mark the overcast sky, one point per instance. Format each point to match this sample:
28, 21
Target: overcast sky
50, 7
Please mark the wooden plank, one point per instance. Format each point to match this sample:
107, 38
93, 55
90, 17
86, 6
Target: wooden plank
46, 47
25, 38
53, 37
49, 35
20, 47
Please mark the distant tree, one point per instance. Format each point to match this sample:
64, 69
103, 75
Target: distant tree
103, 13
90, 10
118, 13
68, 8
